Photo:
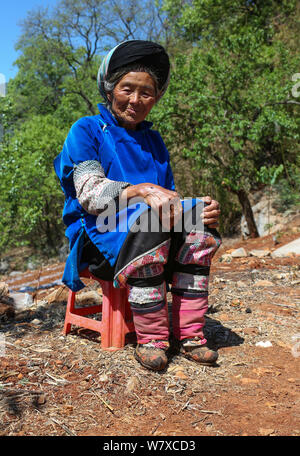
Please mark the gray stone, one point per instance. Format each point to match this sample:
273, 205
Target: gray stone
4, 266
36, 321
260, 253
226, 258
268, 220
22, 300
288, 249
239, 253
15, 273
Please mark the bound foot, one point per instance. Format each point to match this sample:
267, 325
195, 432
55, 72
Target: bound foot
153, 355
195, 349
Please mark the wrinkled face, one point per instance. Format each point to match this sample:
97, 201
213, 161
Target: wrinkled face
133, 98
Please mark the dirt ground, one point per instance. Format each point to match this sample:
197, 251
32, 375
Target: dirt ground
55, 385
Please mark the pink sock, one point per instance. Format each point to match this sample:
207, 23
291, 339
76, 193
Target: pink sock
152, 325
188, 316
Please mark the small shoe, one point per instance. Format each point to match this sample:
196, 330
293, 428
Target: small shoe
153, 355
195, 349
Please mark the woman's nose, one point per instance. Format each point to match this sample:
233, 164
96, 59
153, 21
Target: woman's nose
134, 98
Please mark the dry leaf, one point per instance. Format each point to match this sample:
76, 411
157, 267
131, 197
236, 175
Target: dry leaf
181, 374
271, 404
132, 384
265, 432
246, 380
261, 371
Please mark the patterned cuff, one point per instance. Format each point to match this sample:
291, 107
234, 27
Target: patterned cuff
94, 191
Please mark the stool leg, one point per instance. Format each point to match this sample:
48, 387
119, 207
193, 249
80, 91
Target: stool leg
107, 313
70, 307
113, 317
119, 306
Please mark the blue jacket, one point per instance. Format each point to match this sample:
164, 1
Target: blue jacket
125, 155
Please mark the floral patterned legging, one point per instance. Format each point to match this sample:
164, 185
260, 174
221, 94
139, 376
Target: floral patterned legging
147, 289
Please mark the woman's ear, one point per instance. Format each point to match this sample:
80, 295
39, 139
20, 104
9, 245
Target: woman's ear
109, 96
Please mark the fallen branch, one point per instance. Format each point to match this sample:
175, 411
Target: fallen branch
103, 401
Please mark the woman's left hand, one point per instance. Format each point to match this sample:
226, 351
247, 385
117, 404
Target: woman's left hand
211, 212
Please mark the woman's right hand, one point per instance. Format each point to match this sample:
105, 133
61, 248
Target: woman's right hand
165, 202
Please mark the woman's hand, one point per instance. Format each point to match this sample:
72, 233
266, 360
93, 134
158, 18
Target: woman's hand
210, 214
165, 202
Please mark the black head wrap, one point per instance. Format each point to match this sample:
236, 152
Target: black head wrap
147, 53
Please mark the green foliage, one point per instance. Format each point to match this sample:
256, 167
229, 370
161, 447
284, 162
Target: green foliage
229, 117
269, 175
288, 190
60, 53
229, 104
31, 200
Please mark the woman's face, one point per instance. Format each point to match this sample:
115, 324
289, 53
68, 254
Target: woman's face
133, 98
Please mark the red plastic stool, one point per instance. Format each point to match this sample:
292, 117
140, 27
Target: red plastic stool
116, 319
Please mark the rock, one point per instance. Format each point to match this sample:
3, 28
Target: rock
268, 220
4, 266
260, 253
239, 253
280, 276
263, 344
263, 283
15, 273
292, 248
59, 295
3, 289
22, 300
180, 374
241, 284
230, 251
36, 321
226, 258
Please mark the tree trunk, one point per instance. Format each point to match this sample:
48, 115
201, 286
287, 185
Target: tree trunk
248, 213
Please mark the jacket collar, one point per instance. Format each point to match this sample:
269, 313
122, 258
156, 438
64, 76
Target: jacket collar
109, 119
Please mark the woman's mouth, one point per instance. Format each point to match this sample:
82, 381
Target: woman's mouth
131, 111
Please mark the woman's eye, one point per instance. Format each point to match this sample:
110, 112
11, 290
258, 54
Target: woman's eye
126, 89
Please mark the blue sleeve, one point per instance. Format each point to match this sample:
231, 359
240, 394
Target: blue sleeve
82, 143
162, 152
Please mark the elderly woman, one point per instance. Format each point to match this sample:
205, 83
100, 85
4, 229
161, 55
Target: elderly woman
114, 165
